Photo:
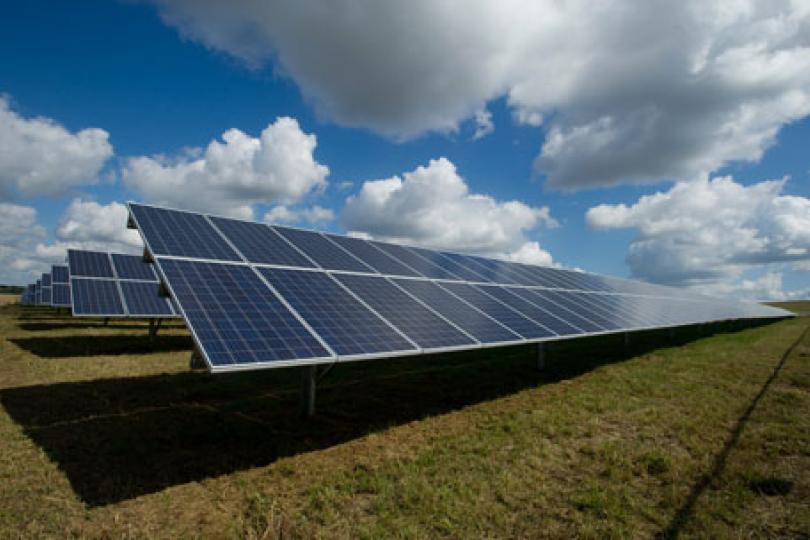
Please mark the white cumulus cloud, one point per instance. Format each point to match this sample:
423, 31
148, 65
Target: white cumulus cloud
628, 91
40, 157
432, 206
710, 231
314, 215
25, 252
231, 176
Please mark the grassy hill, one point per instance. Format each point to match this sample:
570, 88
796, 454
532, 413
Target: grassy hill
103, 434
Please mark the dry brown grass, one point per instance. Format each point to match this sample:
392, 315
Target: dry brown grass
105, 435
9, 299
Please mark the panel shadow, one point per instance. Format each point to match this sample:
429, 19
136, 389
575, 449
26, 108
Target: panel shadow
104, 345
116, 439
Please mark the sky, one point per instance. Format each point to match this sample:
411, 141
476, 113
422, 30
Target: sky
662, 141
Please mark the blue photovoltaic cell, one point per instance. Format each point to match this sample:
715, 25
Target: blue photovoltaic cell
133, 267
236, 318
494, 271
511, 297
322, 251
60, 294
59, 274
46, 280
260, 244
621, 306
419, 323
466, 317
448, 264
46, 295
569, 301
612, 313
420, 264
346, 325
574, 316
182, 234
96, 297
143, 299
372, 256
504, 315
89, 264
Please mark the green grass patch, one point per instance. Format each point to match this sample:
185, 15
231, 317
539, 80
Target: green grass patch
705, 433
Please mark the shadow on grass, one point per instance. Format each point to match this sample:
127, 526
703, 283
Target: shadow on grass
116, 439
56, 324
769, 486
102, 345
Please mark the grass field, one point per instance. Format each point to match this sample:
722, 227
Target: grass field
103, 434
801, 307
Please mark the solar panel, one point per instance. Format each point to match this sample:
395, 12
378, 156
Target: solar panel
60, 295
59, 274
448, 264
133, 280
420, 264
347, 326
512, 298
185, 234
493, 271
372, 256
614, 311
89, 264
419, 323
143, 299
260, 244
236, 319
260, 296
96, 297
569, 314
567, 300
476, 323
322, 251
46, 296
503, 314
46, 280
133, 267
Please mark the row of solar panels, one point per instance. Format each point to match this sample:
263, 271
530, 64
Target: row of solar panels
259, 296
197, 236
100, 284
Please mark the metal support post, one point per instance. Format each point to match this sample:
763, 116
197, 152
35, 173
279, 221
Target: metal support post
196, 361
154, 326
308, 388
541, 357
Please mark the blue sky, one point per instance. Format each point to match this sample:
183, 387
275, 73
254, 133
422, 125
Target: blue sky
162, 78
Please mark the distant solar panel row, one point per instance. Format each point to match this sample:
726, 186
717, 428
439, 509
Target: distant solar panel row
115, 285
255, 295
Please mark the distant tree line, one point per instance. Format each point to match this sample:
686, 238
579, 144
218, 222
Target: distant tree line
10, 289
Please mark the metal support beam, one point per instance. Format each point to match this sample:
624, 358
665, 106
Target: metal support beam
308, 388
541, 356
154, 326
196, 361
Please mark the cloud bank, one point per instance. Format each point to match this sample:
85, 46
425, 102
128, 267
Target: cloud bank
628, 91
432, 206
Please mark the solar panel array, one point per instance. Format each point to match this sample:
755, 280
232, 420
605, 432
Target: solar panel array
115, 285
257, 296
60, 286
